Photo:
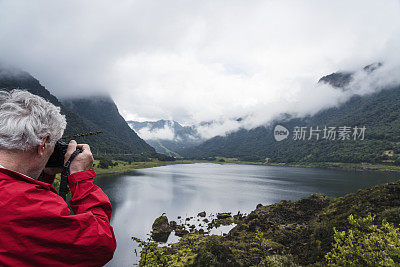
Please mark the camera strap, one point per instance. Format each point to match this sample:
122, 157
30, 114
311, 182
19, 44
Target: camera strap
64, 175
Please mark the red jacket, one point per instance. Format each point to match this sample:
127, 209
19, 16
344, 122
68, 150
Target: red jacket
37, 228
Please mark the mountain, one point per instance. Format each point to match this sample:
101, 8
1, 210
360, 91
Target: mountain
342, 79
378, 112
117, 137
102, 111
167, 136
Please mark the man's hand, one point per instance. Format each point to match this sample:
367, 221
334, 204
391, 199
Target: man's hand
83, 161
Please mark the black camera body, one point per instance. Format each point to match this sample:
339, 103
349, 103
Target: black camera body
58, 157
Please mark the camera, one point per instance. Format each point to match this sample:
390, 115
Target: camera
57, 158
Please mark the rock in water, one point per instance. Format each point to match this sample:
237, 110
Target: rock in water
173, 224
161, 229
181, 231
202, 214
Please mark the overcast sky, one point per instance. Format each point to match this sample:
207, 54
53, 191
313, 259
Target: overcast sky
193, 61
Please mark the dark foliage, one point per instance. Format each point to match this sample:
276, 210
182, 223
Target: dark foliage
105, 163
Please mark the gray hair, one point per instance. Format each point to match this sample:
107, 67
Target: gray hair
25, 118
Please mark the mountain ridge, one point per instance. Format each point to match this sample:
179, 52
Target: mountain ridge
107, 142
382, 132
167, 136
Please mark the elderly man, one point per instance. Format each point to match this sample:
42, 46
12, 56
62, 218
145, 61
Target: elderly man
36, 225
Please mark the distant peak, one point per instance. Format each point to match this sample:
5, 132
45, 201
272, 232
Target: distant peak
372, 67
341, 79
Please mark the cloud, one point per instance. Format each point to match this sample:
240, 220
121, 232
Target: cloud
193, 61
166, 133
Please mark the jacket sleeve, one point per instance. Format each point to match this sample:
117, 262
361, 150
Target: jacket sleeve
92, 205
56, 237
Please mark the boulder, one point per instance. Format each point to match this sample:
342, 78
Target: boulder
181, 231
202, 214
173, 224
161, 229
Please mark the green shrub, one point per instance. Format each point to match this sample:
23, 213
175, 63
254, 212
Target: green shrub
213, 253
365, 244
264, 247
279, 261
105, 163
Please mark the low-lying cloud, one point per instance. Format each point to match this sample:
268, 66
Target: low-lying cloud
194, 61
165, 133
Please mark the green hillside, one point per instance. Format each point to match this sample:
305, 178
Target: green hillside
102, 111
378, 112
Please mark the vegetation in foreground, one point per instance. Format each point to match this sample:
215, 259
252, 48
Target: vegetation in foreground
359, 229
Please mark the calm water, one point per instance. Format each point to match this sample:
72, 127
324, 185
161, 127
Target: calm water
185, 190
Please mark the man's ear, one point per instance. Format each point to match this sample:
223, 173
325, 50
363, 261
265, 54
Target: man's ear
41, 150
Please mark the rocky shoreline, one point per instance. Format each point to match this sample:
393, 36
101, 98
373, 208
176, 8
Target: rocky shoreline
294, 233
203, 223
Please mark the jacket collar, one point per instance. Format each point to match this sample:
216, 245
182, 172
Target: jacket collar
5, 174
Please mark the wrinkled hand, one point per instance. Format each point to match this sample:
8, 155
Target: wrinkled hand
83, 161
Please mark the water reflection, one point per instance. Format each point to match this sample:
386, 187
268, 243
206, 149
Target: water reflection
185, 190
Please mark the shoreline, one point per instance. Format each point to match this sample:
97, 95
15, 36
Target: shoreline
359, 167
329, 165
283, 230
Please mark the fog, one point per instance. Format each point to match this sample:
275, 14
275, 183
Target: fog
213, 60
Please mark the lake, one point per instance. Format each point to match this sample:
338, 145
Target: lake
141, 196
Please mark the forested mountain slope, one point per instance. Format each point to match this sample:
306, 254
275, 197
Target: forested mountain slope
378, 112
